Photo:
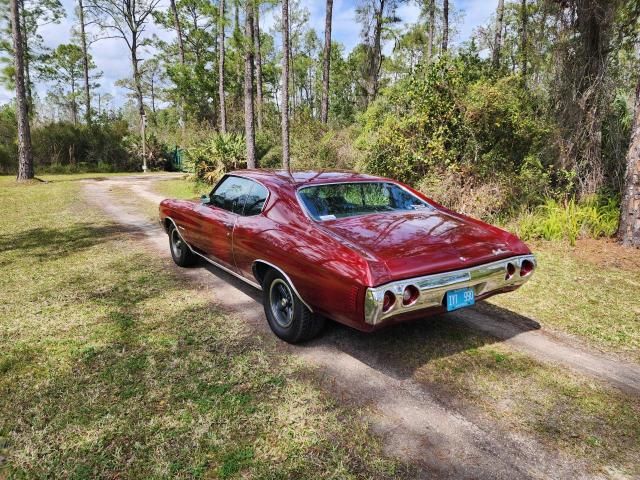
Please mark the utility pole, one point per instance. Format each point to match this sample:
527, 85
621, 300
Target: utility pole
143, 128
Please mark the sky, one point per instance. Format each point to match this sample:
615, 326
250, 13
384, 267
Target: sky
111, 58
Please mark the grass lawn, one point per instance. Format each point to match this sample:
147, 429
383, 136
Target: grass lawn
111, 366
578, 291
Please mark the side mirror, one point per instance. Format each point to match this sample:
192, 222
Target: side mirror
204, 199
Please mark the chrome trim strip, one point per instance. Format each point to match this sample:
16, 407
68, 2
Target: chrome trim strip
484, 279
215, 264
295, 290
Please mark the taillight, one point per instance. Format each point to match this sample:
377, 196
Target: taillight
511, 270
410, 295
389, 300
526, 268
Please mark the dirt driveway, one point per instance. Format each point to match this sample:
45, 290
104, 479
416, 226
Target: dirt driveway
413, 422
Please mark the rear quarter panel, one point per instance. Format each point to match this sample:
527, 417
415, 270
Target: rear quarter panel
328, 276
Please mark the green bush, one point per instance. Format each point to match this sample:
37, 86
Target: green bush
593, 217
476, 143
416, 126
80, 147
68, 147
157, 153
505, 125
212, 158
315, 146
63, 147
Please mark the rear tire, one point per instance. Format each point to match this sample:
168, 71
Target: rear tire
288, 317
180, 251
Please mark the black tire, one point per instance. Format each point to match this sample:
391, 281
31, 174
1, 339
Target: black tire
288, 317
180, 251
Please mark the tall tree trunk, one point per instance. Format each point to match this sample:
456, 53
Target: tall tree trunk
497, 43
326, 63
236, 15
223, 106
375, 56
238, 36
137, 80
629, 230
74, 104
292, 85
249, 132
258, 62
26, 55
445, 25
523, 38
85, 63
583, 91
25, 155
285, 85
432, 28
178, 27
153, 95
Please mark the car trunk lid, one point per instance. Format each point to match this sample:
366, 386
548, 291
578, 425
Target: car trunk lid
422, 242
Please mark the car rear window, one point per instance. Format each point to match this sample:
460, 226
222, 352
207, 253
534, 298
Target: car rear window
339, 200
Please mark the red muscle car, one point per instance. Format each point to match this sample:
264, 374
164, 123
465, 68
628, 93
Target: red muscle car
362, 250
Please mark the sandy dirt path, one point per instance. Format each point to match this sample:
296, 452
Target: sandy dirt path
413, 424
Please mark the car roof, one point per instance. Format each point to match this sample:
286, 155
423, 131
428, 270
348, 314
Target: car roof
299, 178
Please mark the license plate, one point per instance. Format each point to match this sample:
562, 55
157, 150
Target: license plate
463, 297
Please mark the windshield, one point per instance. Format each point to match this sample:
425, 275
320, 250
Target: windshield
339, 200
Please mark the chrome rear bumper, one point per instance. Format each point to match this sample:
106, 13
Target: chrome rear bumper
484, 279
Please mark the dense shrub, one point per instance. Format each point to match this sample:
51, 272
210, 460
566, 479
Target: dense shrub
505, 124
416, 126
158, 155
593, 217
445, 117
63, 147
211, 158
80, 147
314, 145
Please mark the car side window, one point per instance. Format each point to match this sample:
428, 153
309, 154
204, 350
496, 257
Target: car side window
255, 200
231, 194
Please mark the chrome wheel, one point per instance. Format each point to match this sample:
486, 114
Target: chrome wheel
281, 302
177, 244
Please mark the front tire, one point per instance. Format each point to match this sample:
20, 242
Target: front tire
288, 317
180, 251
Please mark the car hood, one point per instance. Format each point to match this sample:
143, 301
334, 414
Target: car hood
422, 242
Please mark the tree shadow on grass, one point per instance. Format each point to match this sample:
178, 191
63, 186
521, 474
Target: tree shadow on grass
52, 242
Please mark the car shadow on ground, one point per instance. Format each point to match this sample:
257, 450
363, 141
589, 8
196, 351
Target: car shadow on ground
399, 350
